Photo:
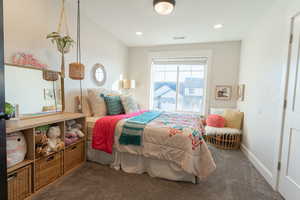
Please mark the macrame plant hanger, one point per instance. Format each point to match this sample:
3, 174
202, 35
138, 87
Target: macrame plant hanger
76, 69
63, 21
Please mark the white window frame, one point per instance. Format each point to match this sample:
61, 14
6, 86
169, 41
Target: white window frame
184, 54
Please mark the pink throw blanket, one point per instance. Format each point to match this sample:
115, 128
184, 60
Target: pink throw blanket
104, 131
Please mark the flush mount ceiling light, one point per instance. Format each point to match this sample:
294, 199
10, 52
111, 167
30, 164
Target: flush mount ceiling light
218, 26
164, 7
139, 33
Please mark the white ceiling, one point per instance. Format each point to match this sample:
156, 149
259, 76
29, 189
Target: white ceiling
193, 19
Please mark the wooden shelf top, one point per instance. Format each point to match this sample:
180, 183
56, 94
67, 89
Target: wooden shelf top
41, 121
19, 165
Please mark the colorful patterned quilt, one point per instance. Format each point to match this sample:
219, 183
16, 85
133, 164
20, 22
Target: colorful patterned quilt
175, 137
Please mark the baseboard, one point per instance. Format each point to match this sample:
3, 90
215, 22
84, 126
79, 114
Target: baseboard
263, 170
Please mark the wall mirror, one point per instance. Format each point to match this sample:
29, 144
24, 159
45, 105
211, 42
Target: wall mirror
99, 74
27, 88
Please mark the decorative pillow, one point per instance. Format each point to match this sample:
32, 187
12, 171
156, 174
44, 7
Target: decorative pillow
130, 105
97, 103
114, 105
209, 130
215, 121
16, 148
233, 118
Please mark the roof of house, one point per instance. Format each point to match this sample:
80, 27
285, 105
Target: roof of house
162, 88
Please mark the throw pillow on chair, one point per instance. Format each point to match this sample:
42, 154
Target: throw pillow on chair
215, 121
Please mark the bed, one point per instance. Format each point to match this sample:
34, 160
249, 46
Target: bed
172, 148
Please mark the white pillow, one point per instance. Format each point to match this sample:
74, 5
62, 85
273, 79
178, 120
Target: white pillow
129, 104
209, 130
97, 103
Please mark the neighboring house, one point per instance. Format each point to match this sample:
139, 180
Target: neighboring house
165, 96
190, 95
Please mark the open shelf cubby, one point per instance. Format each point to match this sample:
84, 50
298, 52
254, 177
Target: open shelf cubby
29, 157
37, 171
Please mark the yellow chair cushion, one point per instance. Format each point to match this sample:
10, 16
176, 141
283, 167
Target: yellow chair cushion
233, 118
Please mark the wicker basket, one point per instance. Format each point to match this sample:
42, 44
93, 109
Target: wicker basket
19, 183
76, 71
74, 156
224, 141
50, 75
48, 169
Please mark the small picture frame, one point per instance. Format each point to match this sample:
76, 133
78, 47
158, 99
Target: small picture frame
223, 92
241, 92
49, 94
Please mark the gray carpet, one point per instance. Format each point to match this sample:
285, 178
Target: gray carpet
234, 179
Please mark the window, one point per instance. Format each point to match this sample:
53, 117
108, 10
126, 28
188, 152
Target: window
178, 84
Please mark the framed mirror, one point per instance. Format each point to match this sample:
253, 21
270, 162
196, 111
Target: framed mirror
32, 91
99, 74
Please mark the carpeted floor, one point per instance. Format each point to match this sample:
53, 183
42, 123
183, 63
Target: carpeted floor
234, 179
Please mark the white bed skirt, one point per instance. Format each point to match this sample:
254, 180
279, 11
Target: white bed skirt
139, 164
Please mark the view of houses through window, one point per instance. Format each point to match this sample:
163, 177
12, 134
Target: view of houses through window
178, 86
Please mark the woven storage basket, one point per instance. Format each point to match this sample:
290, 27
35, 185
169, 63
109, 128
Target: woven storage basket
48, 169
74, 156
76, 71
50, 76
19, 183
224, 141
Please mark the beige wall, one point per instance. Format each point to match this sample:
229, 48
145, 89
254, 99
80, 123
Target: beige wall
263, 67
28, 22
224, 70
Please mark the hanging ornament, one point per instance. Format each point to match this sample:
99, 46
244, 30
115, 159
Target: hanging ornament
63, 41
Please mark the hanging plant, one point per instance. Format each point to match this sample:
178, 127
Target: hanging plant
63, 43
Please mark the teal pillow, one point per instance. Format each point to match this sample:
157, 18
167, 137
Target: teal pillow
113, 104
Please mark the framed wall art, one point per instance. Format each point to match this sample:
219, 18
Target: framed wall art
223, 92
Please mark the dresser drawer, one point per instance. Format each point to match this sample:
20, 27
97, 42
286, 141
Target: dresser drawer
74, 155
19, 183
48, 169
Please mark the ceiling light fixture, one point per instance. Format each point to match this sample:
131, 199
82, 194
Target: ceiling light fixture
218, 26
139, 33
164, 7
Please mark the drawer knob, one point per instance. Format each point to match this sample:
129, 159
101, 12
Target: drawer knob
74, 147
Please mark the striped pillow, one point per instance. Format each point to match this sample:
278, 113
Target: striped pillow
113, 105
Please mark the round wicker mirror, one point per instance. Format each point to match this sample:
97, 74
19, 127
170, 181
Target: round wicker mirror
99, 74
